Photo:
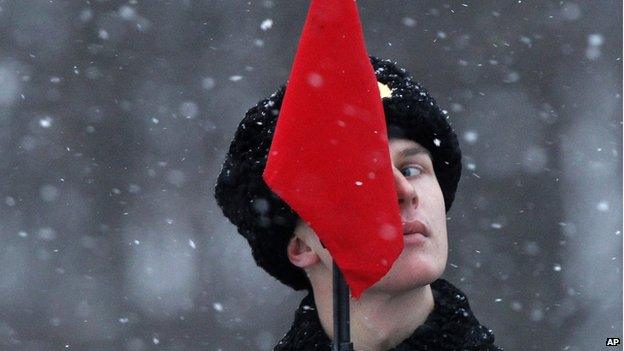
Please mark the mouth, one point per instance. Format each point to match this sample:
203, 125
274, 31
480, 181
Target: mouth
415, 226
415, 233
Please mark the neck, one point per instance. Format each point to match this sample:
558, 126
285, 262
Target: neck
379, 320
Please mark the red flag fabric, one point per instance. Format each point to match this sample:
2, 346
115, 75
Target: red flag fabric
329, 158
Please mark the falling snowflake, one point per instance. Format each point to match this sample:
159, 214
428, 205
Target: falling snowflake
208, 83
603, 206
409, 22
595, 39
126, 12
571, 11
189, 109
266, 24
315, 79
471, 137
45, 122
593, 50
526, 40
103, 34
9, 201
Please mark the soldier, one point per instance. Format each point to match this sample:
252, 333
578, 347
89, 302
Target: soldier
411, 308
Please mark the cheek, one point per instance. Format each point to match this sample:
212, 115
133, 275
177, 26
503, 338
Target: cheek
436, 212
434, 204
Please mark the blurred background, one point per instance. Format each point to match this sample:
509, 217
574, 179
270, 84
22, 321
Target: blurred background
115, 117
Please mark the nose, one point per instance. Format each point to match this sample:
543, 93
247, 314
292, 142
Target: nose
408, 199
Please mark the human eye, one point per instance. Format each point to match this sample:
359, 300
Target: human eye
412, 170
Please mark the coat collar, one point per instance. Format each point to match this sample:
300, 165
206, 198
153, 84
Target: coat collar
450, 326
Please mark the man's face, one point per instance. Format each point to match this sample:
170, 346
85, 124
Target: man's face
422, 260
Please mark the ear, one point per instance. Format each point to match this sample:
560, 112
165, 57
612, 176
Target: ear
300, 254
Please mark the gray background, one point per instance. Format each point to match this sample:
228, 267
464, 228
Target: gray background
115, 117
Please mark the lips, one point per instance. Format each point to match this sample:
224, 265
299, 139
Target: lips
415, 226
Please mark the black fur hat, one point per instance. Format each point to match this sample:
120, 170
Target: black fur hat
267, 222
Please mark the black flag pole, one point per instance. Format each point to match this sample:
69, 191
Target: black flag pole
342, 327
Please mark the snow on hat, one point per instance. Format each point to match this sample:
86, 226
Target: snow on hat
267, 222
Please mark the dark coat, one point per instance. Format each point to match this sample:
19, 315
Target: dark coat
450, 326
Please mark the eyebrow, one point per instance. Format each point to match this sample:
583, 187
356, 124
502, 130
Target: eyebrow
414, 150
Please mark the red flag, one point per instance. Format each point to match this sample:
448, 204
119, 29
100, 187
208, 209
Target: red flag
329, 159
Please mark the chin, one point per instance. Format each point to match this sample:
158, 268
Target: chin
411, 271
